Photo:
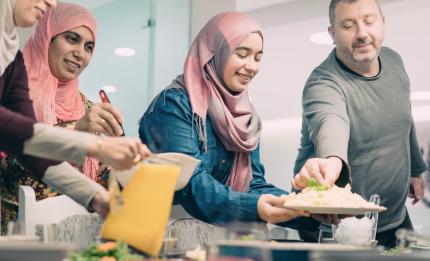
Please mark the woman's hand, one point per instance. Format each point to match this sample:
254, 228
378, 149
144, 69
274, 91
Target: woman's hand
118, 152
271, 209
326, 171
103, 118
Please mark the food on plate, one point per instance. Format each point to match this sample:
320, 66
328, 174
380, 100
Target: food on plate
334, 197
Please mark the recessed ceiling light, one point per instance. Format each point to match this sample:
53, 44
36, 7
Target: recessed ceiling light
420, 96
109, 88
321, 38
125, 51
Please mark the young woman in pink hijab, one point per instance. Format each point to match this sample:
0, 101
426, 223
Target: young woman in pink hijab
55, 55
206, 113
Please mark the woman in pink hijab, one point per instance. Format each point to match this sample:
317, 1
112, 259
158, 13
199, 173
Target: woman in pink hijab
56, 54
206, 113
58, 51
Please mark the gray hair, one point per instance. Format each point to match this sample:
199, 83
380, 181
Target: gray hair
333, 4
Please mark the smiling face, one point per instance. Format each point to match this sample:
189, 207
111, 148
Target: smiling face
27, 12
358, 33
244, 63
70, 52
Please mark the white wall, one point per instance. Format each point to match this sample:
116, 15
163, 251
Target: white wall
90, 4
249, 5
160, 52
171, 41
203, 10
279, 142
121, 24
289, 56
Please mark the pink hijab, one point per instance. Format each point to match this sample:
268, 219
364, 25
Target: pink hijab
52, 99
233, 116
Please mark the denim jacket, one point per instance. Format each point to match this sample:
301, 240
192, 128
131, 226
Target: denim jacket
168, 126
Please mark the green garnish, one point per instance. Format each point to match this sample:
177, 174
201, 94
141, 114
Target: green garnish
393, 251
106, 251
313, 184
247, 237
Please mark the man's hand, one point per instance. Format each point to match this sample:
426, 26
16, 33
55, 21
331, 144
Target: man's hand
100, 203
326, 171
271, 209
416, 189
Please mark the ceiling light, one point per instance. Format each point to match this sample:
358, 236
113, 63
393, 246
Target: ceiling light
109, 88
125, 51
321, 38
420, 96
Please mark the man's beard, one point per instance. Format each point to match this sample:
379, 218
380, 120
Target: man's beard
365, 60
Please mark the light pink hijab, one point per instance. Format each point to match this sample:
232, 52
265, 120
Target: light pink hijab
52, 99
233, 116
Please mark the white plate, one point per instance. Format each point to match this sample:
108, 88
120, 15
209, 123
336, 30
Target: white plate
336, 210
420, 247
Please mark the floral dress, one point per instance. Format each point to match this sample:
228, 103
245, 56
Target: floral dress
13, 174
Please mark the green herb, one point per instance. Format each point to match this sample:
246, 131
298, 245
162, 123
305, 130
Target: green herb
393, 251
313, 184
108, 251
247, 237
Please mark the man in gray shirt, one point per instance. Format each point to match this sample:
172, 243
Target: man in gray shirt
357, 117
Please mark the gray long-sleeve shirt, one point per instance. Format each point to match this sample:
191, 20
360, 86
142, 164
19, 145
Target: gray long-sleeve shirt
367, 122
